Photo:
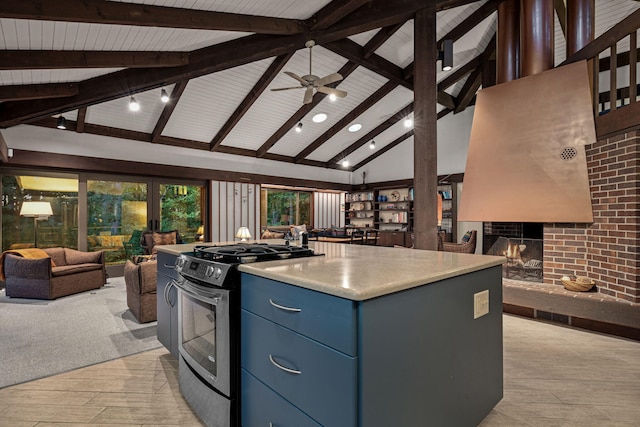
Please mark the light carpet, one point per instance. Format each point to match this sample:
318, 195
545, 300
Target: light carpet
39, 338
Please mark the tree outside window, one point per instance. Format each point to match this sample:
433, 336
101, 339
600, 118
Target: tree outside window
284, 207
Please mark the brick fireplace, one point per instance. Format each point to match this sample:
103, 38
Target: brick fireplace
608, 250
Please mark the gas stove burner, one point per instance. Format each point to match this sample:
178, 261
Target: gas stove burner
245, 253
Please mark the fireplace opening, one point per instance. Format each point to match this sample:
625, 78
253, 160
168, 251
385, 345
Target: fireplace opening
522, 246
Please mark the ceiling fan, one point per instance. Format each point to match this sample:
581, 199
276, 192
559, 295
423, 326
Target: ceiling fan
311, 81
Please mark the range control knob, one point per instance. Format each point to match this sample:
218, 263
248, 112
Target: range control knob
217, 273
209, 271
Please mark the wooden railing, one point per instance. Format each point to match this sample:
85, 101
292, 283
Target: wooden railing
620, 35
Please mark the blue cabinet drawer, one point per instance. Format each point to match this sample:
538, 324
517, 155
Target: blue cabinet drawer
166, 262
315, 378
262, 407
325, 318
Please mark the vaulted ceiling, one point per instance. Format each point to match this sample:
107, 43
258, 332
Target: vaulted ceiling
218, 61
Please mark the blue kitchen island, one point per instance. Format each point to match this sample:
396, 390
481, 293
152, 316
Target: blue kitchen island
371, 336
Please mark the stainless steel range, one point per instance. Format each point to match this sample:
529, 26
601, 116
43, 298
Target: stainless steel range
209, 325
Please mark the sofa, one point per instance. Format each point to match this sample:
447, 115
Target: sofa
64, 272
141, 282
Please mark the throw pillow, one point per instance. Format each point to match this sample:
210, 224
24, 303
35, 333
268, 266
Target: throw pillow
466, 237
297, 229
168, 238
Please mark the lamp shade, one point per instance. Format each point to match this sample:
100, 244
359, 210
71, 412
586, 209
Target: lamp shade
36, 209
243, 234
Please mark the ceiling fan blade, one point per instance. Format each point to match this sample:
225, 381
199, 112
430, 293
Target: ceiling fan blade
308, 95
287, 88
331, 78
297, 77
331, 91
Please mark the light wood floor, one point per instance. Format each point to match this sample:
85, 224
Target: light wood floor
553, 376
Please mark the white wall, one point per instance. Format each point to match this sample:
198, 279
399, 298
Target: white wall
454, 131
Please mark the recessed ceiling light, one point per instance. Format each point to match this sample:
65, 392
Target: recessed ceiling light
355, 127
319, 118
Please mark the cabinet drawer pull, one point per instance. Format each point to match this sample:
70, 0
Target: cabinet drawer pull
282, 307
277, 365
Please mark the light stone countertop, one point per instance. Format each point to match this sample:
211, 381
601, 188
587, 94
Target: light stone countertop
361, 272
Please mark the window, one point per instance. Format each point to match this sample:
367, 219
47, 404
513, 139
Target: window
285, 207
59, 229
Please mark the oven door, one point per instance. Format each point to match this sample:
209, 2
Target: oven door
204, 334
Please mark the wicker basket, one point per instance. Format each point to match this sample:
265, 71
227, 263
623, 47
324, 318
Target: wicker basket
580, 284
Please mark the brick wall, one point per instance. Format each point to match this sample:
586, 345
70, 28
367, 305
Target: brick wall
606, 251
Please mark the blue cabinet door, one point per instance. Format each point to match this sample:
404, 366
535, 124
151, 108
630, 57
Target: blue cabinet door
315, 378
325, 318
262, 407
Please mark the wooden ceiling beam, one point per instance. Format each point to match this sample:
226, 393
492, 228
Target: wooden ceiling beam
63, 59
122, 13
355, 53
384, 149
168, 109
346, 120
334, 12
471, 21
346, 69
379, 39
37, 91
253, 95
400, 115
469, 90
561, 13
81, 119
471, 86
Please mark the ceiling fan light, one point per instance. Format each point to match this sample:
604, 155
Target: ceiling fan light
164, 96
299, 127
319, 118
355, 127
372, 145
62, 123
133, 104
332, 97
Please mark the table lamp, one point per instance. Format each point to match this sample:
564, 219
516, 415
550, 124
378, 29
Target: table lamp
200, 233
243, 234
37, 211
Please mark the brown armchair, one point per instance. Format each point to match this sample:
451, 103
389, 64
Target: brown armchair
141, 281
468, 247
150, 239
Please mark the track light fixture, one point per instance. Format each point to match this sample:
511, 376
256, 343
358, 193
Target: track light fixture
133, 104
62, 123
408, 122
299, 127
372, 145
446, 55
345, 163
164, 96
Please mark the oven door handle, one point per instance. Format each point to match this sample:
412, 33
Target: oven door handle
167, 292
284, 368
285, 308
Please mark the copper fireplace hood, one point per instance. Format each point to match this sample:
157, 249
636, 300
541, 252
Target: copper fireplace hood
526, 159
